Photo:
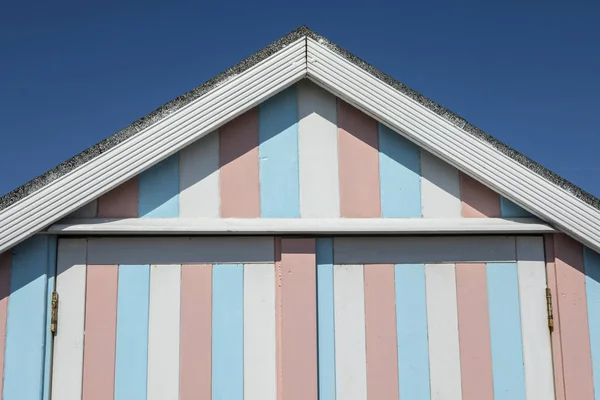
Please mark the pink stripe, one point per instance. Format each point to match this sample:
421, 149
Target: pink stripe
358, 152
478, 201
474, 332
380, 321
238, 158
121, 202
299, 326
195, 373
5, 263
100, 332
559, 380
574, 329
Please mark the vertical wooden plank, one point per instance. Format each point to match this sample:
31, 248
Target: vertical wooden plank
575, 335
325, 315
121, 202
442, 328
260, 370
238, 158
399, 175
478, 201
474, 332
411, 327
537, 353
318, 152
25, 323
559, 382
5, 264
195, 373
100, 332
440, 188
380, 332
199, 178
52, 245
298, 319
505, 331
350, 341
358, 153
68, 345
163, 332
592, 289
278, 156
228, 332
508, 209
159, 190
279, 316
131, 359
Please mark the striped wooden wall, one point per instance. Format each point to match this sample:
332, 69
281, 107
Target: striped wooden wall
269, 318
26, 284
302, 153
574, 276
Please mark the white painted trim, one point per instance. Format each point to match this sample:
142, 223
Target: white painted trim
453, 145
152, 145
270, 226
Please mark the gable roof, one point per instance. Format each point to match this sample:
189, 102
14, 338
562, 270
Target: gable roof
300, 54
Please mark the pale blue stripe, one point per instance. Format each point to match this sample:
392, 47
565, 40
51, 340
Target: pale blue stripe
508, 209
411, 328
26, 321
278, 156
505, 331
325, 314
159, 190
592, 289
228, 332
133, 301
399, 175
52, 246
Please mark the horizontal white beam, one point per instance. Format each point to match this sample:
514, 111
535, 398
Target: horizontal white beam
270, 226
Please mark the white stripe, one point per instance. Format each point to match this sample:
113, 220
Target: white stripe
440, 188
442, 325
67, 371
163, 332
318, 152
199, 178
350, 346
537, 353
260, 371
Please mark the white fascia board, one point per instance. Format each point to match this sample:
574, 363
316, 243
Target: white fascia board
126, 160
273, 226
452, 144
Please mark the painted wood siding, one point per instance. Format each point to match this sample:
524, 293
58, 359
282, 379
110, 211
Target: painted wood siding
301, 318
469, 318
26, 284
302, 154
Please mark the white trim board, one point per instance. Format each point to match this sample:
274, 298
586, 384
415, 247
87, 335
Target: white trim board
272, 226
303, 58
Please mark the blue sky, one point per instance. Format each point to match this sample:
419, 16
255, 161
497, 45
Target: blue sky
71, 74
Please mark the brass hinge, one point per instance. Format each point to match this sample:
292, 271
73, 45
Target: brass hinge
54, 313
549, 309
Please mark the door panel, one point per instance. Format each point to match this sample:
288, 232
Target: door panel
263, 318
470, 318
